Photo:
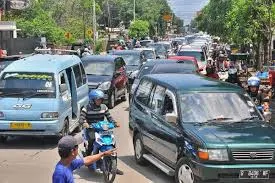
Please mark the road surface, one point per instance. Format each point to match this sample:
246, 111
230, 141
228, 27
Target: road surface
32, 160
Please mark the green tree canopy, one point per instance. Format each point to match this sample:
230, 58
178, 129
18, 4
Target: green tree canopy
139, 29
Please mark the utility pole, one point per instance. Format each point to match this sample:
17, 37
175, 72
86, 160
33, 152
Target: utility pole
94, 24
134, 10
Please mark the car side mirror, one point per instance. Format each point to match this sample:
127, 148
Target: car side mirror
63, 88
171, 117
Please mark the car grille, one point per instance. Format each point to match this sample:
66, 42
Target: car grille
250, 155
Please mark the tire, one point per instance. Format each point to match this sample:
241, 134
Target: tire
110, 168
112, 100
139, 150
184, 172
65, 130
124, 98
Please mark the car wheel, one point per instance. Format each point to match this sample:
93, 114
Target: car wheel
112, 100
184, 173
65, 130
139, 150
123, 98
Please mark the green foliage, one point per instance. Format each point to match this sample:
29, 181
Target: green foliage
139, 29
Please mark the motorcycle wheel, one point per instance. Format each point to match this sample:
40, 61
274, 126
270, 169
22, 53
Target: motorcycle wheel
110, 168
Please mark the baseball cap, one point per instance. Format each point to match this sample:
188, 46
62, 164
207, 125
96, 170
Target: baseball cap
69, 142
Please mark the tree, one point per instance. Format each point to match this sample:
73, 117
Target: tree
139, 29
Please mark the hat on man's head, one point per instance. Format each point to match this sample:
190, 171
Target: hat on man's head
68, 142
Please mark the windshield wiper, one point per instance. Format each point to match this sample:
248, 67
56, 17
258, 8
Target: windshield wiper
32, 94
218, 119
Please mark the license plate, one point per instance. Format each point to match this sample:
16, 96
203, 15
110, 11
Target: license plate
254, 174
21, 126
106, 133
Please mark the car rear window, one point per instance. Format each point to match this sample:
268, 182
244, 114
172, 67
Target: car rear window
187, 67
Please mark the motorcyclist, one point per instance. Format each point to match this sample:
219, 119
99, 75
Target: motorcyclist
253, 90
95, 111
262, 74
210, 72
233, 76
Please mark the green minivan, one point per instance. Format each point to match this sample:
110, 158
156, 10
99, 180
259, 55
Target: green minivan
201, 130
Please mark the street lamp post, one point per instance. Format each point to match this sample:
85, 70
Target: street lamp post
134, 10
94, 24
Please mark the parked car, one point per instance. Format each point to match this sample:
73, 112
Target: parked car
42, 95
162, 66
134, 60
198, 129
149, 53
161, 51
108, 74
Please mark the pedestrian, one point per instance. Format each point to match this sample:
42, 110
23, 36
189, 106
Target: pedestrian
68, 151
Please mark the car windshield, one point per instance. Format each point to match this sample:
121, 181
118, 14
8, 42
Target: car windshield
149, 54
160, 49
205, 107
133, 60
198, 55
27, 84
99, 68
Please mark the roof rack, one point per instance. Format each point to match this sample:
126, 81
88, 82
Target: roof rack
56, 51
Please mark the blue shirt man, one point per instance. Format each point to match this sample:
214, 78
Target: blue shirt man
68, 150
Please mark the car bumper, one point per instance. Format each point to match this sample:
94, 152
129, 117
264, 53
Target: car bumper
38, 128
230, 173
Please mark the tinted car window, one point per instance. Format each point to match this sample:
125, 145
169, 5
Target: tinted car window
143, 91
174, 68
78, 77
157, 101
149, 54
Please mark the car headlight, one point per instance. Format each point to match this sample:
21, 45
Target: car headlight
213, 154
104, 86
49, 115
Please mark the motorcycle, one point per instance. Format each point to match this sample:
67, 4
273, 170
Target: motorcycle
223, 75
104, 141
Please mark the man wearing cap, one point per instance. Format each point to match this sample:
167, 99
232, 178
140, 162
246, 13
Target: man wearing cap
68, 150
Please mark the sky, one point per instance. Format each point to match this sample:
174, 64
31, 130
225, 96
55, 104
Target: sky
186, 9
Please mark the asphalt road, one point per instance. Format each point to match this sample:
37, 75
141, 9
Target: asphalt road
32, 160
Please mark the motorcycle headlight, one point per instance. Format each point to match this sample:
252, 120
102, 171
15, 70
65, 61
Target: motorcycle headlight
49, 115
105, 127
104, 86
213, 154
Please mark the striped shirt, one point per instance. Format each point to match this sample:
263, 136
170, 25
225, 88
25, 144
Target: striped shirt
94, 114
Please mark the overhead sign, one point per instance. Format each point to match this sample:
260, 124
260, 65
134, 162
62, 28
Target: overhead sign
68, 35
167, 17
89, 32
19, 4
